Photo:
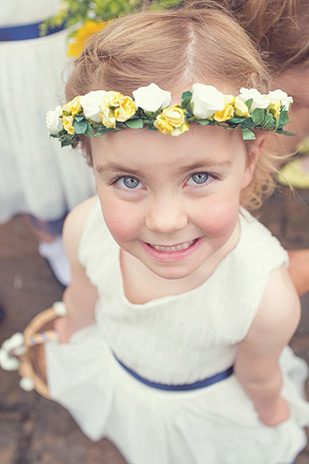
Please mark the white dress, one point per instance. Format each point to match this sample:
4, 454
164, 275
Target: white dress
174, 340
37, 176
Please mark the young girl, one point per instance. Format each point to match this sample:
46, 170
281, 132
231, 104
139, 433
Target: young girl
180, 306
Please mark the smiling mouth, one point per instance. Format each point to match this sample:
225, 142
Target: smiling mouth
169, 249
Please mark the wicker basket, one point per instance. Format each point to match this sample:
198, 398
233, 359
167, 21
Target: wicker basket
33, 363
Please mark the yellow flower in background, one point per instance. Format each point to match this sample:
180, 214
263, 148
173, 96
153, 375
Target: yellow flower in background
274, 108
240, 108
68, 122
174, 115
163, 126
82, 34
72, 107
125, 110
303, 146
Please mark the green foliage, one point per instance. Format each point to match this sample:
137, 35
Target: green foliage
76, 12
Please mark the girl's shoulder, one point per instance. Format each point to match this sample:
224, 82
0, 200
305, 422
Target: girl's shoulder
74, 227
93, 247
76, 219
258, 246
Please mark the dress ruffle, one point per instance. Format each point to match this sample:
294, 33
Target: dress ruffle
216, 424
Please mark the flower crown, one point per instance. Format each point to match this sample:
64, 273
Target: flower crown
99, 112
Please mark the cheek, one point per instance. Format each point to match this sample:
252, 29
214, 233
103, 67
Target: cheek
219, 220
300, 121
121, 218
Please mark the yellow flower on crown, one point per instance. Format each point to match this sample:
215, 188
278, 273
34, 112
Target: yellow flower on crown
72, 107
107, 117
162, 124
125, 110
68, 122
274, 108
240, 108
228, 110
180, 130
174, 115
110, 99
172, 121
116, 107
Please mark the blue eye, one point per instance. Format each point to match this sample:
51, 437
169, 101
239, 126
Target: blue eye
128, 182
199, 178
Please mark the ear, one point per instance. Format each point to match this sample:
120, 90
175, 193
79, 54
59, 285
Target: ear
254, 151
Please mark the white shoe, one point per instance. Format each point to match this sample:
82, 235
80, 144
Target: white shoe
55, 255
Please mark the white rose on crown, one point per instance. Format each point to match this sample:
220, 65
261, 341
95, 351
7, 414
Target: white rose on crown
151, 98
206, 100
276, 95
258, 100
91, 104
53, 121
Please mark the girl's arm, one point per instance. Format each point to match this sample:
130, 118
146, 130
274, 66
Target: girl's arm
80, 296
256, 365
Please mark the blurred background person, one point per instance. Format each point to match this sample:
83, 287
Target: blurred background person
37, 178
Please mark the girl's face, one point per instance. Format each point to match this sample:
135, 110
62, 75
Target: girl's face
172, 202
296, 83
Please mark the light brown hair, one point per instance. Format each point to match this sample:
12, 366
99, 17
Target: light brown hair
279, 27
174, 49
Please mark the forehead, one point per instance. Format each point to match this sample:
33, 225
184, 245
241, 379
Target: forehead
146, 148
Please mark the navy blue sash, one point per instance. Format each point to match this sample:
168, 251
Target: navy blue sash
26, 32
185, 387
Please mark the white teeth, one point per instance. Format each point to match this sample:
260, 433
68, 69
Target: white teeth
181, 246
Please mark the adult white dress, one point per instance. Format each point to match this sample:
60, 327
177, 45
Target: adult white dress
174, 340
37, 176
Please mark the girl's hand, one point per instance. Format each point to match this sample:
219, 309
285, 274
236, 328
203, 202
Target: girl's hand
63, 329
276, 414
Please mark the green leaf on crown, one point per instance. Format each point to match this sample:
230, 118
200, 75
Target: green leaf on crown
248, 134
102, 130
269, 122
81, 126
283, 118
186, 102
284, 132
135, 123
235, 120
204, 122
249, 103
257, 116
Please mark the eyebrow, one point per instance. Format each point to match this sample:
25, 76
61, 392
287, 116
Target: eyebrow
114, 167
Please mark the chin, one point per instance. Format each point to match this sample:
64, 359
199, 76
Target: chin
172, 272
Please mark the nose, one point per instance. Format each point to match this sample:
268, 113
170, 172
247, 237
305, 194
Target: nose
166, 214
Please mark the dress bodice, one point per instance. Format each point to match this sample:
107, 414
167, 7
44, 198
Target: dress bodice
186, 337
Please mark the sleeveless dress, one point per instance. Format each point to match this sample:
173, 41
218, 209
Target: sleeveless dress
37, 176
174, 340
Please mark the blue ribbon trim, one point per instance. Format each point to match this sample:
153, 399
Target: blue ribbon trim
26, 32
185, 387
